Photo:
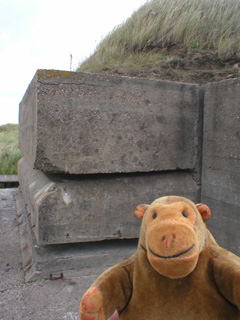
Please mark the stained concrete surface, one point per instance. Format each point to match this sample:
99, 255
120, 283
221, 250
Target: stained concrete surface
67, 209
221, 161
39, 300
81, 123
68, 260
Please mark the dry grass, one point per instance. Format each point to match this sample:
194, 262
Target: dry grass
192, 25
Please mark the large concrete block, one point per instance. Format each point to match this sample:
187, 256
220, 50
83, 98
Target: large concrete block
68, 208
221, 161
88, 123
66, 260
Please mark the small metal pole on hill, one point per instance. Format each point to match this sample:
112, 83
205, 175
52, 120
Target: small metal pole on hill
70, 62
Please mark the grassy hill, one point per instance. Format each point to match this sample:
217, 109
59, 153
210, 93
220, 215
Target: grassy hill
182, 40
9, 151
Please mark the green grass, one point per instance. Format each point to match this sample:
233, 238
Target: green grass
9, 151
191, 25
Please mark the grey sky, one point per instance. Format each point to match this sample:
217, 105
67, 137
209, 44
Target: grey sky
41, 34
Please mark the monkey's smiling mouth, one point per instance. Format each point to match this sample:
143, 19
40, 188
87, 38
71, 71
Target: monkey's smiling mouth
174, 256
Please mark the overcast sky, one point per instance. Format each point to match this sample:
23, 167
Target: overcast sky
41, 34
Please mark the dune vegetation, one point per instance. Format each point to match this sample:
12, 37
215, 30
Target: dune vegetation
9, 151
181, 40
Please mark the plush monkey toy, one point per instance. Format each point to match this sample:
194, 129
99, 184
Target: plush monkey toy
177, 273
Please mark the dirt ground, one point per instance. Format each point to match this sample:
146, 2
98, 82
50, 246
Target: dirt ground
38, 300
197, 66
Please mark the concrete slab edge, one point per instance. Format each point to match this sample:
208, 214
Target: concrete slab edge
67, 260
29, 267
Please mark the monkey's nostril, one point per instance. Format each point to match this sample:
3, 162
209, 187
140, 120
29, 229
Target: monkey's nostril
169, 237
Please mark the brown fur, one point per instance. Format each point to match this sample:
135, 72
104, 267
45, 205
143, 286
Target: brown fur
178, 271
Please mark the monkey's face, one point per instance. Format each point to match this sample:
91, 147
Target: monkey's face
171, 239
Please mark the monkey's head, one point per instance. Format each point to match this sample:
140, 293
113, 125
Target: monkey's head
173, 233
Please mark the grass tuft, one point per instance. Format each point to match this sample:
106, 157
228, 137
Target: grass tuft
9, 151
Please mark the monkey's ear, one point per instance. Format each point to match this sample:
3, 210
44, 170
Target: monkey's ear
140, 211
204, 211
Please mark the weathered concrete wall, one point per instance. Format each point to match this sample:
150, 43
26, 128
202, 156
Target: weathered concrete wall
28, 122
221, 161
86, 123
65, 209
72, 259
126, 141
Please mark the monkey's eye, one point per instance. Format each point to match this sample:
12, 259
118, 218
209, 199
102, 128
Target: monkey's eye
184, 214
154, 216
